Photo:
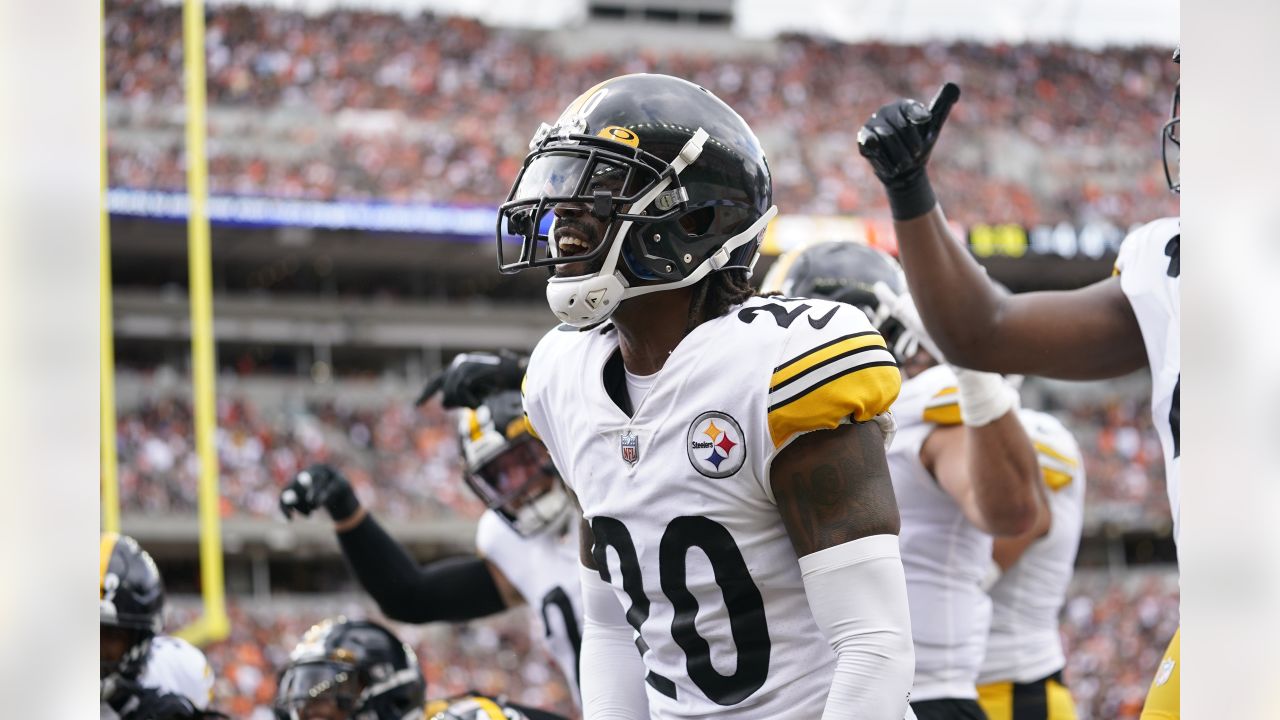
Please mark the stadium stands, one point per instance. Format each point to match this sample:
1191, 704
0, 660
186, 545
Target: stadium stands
361, 105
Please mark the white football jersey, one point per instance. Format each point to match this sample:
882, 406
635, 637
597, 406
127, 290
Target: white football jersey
175, 666
544, 570
1149, 267
679, 499
944, 555
1024, 644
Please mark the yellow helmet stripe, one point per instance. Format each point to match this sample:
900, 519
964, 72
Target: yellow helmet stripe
490, 708
107, 546
473, 425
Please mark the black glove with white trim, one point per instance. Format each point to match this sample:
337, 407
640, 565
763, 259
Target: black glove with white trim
319, 486
473, 376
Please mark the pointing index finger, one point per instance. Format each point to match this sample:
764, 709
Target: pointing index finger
940, 107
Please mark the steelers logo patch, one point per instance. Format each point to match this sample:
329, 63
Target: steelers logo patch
716, 446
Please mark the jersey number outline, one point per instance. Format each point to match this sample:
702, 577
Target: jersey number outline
1175, 424
747, 622
559, 599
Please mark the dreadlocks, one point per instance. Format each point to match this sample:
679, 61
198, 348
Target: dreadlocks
716, 293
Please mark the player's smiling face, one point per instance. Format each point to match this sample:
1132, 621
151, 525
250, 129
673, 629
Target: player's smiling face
578, 231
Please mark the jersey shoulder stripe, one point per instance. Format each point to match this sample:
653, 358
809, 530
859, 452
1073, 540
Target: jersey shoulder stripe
828, 372
944, 407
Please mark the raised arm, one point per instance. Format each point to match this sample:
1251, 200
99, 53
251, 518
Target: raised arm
452, 589
1080, 334
990, 472
834, 495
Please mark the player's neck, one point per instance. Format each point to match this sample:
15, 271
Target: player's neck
650, 327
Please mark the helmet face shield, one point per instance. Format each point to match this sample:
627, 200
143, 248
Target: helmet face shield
521, 484
602, 176
318, 690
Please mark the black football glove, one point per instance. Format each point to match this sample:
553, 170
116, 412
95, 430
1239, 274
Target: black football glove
168, 706
473, 376
131, 701
319, 486
897, 141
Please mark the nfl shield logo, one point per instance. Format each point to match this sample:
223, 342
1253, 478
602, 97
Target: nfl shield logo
630, 447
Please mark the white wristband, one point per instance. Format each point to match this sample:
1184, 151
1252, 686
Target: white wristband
984, 397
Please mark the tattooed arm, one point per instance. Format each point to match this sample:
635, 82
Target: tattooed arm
833, 493
832, 486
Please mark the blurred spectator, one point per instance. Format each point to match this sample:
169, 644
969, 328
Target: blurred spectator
352, 104
1115, 632
402, 462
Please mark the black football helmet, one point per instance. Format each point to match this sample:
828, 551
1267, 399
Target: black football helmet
677, 178
509, 468
130, 602
1171, 135
845, 272
354, 669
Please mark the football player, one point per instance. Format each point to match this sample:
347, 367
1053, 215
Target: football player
526, 541
144, 675
962, 466
1107, 329
359, 670
739, 528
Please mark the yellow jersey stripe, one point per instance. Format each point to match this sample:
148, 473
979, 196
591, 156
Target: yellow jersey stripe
948, 414
1047, 451
105, 548
949, 390
861, 393
796, 366
1055, 479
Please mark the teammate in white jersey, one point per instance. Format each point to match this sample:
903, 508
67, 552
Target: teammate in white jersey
1022, 671
526, 542
1107, 329
739, 548
144, 675
962, 468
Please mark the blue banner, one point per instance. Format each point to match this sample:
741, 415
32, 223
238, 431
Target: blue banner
466, 222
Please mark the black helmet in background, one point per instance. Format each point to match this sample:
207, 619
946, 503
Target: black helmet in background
351, 670
130, 607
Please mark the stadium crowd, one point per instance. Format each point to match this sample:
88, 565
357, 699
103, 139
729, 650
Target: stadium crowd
402, 462
375, 106
1113, 631
405, 463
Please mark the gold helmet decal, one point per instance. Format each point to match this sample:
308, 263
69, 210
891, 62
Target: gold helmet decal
620, 134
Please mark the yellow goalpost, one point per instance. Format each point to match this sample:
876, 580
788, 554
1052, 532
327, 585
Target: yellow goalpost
213, 624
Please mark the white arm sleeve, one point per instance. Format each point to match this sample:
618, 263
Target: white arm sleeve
858, 594
610, 669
